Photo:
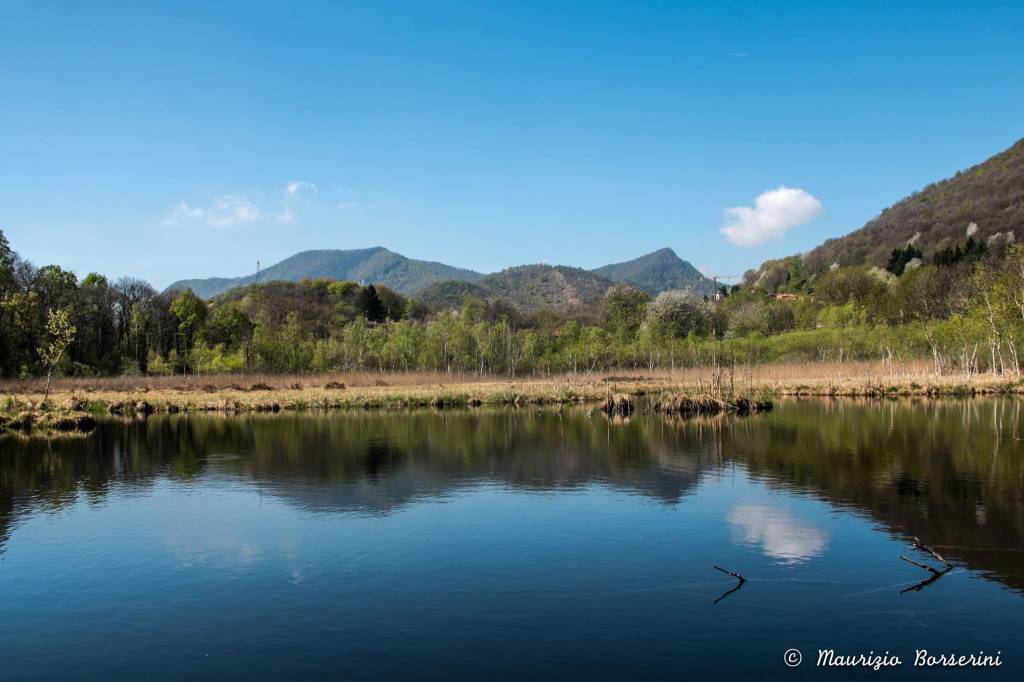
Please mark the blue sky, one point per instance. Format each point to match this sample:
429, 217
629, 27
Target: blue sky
191, 139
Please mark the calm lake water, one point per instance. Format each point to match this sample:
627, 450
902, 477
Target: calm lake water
514, 544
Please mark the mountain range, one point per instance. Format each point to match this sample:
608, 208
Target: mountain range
529, 287
985, 202
375, 265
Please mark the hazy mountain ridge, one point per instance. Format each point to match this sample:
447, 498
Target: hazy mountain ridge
989, 195
375, 265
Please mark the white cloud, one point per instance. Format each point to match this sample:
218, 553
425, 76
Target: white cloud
223, 211
295, 186
780, 535
773, 213
346, 205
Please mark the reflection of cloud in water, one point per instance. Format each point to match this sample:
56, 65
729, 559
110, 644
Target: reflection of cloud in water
782, 536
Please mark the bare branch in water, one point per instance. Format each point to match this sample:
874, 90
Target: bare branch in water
935, 573
727, 572
740, 580
925, 548
920, 565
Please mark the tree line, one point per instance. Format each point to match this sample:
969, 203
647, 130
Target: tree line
963, 309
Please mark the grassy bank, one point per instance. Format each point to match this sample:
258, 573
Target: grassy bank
22, 404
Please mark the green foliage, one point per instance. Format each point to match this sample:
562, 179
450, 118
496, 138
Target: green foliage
529, 288
61, 333
6, 264
190, 310
622, 310
966, 316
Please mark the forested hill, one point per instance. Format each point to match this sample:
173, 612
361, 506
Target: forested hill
656, 272
376, 265
528, 287
989, 196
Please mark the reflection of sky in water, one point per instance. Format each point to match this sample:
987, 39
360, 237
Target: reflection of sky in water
780, 535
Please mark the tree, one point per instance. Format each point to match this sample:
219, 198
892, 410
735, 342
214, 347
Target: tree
899, 258
6, 264
191, 313
369, 304
622, 309
6, 287
231, 327
62, 333
679, 312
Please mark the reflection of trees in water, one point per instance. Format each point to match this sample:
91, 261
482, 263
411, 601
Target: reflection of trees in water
948, 471
371, 462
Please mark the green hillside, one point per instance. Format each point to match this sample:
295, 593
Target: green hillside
527, 287
376, 265
656, 272
989, 196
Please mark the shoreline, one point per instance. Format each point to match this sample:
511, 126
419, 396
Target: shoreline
74, 404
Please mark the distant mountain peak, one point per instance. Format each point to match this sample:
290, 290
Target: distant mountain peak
658, 271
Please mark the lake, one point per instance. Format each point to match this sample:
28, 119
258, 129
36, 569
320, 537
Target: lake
515, 544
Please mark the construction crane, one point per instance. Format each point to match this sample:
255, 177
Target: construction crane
715, 278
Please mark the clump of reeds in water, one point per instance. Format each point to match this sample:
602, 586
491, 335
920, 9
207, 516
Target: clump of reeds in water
47, 421
710, 404
620, 404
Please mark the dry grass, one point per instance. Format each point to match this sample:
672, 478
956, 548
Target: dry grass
273, 393
235, 382
779, 376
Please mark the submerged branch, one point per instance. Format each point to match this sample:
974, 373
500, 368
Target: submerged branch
935, 573
727, 572
740, 580
925, 548
920, 565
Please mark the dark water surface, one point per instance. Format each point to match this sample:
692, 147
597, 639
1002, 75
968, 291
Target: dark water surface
525, 544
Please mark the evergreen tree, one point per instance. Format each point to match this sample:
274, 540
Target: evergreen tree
900, 257
369, 304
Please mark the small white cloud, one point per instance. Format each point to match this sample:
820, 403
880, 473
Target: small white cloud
346, 205
224, 211
772, 215
295, 186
